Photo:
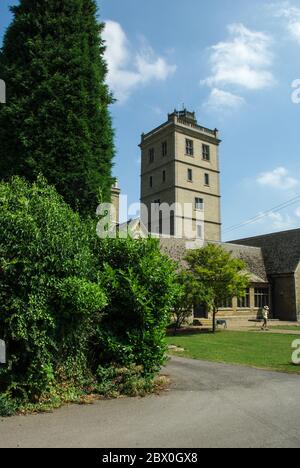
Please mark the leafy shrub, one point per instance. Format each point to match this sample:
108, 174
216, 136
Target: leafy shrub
126, 380
141, 286
191, 294
49, 294
7, 406
76, 309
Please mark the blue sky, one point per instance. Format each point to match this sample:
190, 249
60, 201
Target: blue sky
234, 64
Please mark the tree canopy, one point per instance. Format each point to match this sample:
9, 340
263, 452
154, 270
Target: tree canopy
56, 121
221, 275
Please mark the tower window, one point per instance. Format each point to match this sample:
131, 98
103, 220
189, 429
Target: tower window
160, 223
151, 155
206, 179
172, 224
206, 152
151, 181
199, 231
189, 147
164, 148
164, 176
199, 204
190, 175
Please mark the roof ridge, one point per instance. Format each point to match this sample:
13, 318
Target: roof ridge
241, 245
271, 234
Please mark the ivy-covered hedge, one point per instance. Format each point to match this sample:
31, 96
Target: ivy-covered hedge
79, 314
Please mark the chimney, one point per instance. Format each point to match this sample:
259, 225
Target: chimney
115, 199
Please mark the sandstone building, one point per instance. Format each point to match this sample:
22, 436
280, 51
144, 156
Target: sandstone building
180, 179
281, 255
257, 295
180, 167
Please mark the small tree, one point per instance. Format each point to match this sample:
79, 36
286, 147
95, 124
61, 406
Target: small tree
222, 276
191, 294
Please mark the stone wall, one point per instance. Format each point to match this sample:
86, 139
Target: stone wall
284, 297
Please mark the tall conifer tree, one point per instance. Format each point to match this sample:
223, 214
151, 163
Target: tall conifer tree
57, 121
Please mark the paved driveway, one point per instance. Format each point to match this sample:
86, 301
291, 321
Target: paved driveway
209, 405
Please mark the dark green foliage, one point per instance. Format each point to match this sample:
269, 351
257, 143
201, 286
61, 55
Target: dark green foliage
219, 274
192, 293
49, 295
79, 314
141, 285
129, 381
7, 406
56, 121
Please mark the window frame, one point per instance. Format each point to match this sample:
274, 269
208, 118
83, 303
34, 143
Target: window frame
207, 179
189, 147
164, 149
172, 223
206, 154
199, 226
244, 302
160, 223
227, 304
197, 199
151, 155
261, 297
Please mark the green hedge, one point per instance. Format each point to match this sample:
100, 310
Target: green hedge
49, 297
74, 308
141, 287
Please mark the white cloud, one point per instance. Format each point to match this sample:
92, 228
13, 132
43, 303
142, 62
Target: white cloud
291, 14
295, 30
280, 221
279, 178
223, 100
275, 221
244, 60
127, 68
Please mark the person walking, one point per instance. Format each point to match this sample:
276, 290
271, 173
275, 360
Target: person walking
265, 314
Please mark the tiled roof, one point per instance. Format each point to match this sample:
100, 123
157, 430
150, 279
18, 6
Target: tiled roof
253, 258
281, 251
177, 249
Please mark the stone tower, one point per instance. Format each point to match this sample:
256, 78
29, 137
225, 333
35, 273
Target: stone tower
115, 200
180, 179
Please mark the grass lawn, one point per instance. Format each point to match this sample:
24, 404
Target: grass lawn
286, 327
262, 349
